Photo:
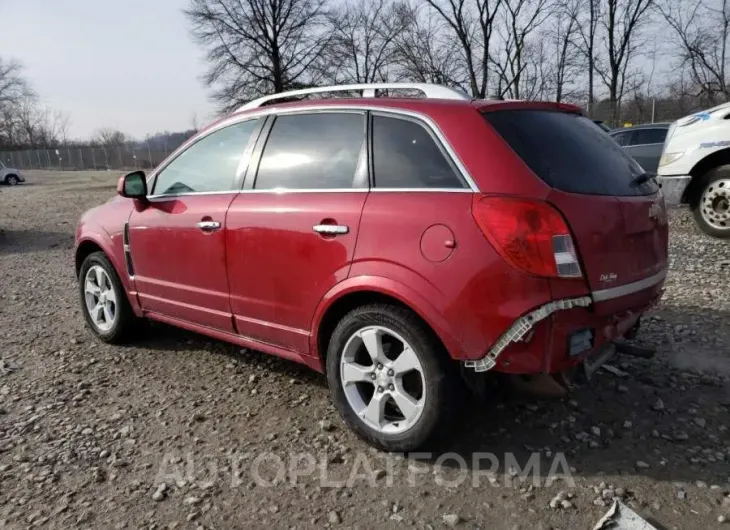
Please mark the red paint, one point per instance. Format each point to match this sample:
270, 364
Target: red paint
266, 279
279, 268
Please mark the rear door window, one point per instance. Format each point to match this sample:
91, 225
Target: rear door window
649, 136
406, 155
569, 152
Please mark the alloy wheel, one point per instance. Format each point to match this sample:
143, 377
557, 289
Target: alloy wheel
383, 379
100, 298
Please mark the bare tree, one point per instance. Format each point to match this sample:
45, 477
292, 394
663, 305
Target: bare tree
108, 137
472, 25
362, 49
622, 21
701, 30
424, 53
588, 17
14, 93
564, 38
520, 19
257, 47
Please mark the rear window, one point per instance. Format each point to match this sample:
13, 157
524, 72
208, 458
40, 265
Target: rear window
569, 152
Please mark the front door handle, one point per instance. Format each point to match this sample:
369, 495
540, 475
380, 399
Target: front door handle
331, 230
208, 226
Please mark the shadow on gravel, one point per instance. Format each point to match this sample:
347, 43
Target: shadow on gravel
163, 337
27, 241
653, 420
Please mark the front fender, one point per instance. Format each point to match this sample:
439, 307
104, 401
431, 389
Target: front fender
395, 289
113, 246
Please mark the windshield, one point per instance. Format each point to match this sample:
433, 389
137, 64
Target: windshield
570, 153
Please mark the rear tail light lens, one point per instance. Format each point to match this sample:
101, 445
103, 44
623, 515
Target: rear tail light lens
530, 234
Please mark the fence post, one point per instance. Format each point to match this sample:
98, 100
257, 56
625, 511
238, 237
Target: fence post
119, 152
81, 159
48, 159
38, 154
93, 158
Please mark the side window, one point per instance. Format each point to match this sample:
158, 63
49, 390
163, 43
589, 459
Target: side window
622, 138
312, 151
650, 136
405, 155
211, 164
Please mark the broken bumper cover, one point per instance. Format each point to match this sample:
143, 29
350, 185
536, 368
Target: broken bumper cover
673, 188
521, 327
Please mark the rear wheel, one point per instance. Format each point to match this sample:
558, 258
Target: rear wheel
12, 180
104, 301
389, 377
711, 203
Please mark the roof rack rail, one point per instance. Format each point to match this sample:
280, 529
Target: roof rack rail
430, 91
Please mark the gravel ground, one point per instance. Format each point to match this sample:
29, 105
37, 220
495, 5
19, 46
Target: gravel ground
178, 431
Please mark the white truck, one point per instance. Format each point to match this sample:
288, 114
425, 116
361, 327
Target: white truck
695, 168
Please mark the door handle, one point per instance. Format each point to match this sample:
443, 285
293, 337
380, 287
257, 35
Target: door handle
332, 230
208, 226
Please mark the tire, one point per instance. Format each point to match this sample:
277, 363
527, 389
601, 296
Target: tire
432, 385
12, 180
124, 323
710, 203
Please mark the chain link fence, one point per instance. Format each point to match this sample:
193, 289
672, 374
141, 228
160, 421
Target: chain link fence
126, 156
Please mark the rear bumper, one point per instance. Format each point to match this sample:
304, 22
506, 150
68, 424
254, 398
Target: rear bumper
673, 187
562, 333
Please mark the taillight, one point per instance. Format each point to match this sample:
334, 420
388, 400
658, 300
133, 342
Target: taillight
530, 234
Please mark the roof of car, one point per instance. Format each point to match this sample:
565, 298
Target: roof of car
643, 126
415, 104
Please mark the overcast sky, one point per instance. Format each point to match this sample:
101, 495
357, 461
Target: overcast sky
127, 64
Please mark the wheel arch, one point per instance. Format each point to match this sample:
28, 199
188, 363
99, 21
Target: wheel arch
344, 298
90, 244
711, 161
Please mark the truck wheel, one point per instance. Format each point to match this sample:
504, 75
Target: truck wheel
711, 203
11, 180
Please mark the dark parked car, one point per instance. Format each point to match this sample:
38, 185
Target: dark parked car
644, 143
602, 125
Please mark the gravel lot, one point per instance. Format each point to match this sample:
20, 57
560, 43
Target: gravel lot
89, 433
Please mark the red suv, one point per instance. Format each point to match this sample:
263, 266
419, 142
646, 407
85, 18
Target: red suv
385, 241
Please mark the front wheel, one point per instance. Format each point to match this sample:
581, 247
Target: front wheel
711, 205
104, 301
12, 180
389, 377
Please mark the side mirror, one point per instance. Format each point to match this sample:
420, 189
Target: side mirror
133, 185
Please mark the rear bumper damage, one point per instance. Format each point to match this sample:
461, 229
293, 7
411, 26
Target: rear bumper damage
561, 335
521, 328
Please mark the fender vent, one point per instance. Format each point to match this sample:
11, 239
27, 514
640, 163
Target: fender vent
127, 253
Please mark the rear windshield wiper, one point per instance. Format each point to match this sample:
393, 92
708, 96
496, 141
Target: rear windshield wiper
643, 179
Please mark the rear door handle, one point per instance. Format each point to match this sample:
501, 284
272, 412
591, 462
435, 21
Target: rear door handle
333, 230
208, 226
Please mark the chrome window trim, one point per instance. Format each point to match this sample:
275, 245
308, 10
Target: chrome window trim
360, 107
629, 288
422, 190
159, 198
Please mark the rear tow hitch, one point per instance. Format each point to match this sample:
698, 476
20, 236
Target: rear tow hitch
634, 351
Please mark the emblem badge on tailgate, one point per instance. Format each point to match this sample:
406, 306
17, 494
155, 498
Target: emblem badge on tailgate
610, 277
